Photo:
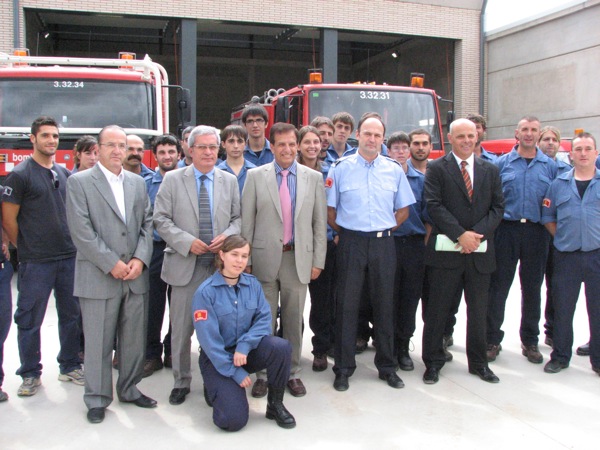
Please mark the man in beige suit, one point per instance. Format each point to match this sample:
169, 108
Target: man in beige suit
195, 209
286, 225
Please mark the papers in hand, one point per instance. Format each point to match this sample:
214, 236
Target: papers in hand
444, 244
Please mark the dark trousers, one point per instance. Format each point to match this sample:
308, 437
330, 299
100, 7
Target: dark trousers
443, 284
549, 310
230, 404
160, 292
35, 281
514, 242
322, 305
6, 273
359, 259
570, 270
410, 271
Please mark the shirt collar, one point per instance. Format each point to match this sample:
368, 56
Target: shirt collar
210, 174
218, 279
291, 169
470, 160
111, 176
362, 161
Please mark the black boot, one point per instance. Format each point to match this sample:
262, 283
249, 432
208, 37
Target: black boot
403, 357
275, 409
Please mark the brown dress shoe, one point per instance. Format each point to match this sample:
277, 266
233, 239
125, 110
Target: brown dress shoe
296, 387
532, 353
492, 352
259, 389
151, 366
319, 363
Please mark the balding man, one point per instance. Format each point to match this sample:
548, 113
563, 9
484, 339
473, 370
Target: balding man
464, 200
132, 161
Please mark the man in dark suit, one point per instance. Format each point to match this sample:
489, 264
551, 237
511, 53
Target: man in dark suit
109, 217
464, 200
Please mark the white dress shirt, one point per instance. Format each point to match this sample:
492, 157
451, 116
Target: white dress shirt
116, 185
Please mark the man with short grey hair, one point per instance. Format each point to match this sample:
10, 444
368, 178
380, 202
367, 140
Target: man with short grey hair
195, 209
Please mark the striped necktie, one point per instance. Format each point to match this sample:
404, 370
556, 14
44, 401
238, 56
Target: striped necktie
206, 231
467, 178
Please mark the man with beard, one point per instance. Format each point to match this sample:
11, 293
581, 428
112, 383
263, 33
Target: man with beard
186, 157
420, 147
481, 126
325, 127
133, 157
166, 149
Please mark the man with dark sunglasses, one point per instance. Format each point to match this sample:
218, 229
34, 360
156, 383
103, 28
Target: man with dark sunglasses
34, 218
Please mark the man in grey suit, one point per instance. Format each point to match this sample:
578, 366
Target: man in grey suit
109, 217
285, 259
195, 209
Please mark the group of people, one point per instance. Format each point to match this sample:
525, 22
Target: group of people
233, 244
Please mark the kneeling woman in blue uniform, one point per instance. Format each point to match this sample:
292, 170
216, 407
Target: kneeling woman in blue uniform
233, 324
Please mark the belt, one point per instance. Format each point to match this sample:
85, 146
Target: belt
288, 248
520, 221
369, 234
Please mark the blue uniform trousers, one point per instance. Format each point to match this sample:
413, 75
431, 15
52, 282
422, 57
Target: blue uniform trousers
35, 282
529, 243
228, 398
159, 292
410, 271
570, 270
359, 260
322, 304
6, 273
549, 310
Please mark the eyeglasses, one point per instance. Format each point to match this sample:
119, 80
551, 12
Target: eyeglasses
255, 121
55, 180
212, 147
113, 145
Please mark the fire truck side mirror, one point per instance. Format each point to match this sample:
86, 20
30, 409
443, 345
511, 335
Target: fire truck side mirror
184, 106
282, 110
449, 119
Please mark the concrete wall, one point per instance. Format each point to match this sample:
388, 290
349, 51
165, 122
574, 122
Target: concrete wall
547, 68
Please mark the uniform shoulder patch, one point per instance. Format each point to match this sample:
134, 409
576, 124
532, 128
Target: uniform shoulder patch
546, 203
328, 182
200, 314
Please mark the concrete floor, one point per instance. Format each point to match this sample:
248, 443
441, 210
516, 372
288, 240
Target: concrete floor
528, 409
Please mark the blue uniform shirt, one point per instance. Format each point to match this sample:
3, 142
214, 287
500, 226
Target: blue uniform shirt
265, 157
562, 167
523, 185
367, 194
577, 220
241, 177
181, 163
488, 156
145, 172
414, 224
152, 185
332, 156
226, 321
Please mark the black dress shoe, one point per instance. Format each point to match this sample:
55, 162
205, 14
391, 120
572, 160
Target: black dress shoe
341, 382
392, 379
177, 396
485, 374
431, 375
259, 389
554, 366
583, 350
142, 401
319, 362
95, 415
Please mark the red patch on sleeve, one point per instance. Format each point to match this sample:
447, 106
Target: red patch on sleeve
328, 182
200, 314
546, 203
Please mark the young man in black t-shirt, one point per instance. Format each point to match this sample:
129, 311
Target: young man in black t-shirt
35, 221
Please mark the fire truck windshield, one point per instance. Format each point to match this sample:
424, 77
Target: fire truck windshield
76, 103
400, 110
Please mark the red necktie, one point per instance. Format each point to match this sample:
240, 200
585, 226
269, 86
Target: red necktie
467, 178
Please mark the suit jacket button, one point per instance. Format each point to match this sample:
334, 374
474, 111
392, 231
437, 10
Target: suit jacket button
123, 234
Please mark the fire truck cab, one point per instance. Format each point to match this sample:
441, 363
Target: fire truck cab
82, 95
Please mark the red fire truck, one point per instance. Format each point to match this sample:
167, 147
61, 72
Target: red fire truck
402, 108
83, 95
